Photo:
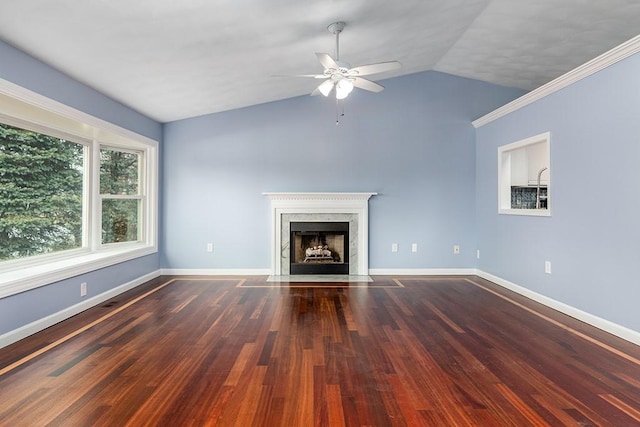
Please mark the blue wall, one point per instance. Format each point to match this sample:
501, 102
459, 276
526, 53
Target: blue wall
412, 143
593, 236
19, 68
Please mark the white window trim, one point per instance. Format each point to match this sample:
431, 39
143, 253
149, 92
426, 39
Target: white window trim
504, 176
23, 105
141, 194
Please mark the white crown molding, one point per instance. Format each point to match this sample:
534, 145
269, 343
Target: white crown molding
617, 54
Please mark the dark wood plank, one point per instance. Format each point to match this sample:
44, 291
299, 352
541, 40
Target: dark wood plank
396, 352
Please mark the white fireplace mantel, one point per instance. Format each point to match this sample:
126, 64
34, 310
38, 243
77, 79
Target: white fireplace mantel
356, 204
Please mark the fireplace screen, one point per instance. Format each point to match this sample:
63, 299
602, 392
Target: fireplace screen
319, 248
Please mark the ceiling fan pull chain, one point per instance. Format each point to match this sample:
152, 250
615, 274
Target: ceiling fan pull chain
339, 114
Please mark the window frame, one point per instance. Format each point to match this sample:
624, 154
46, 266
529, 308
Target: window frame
140, 195
29, 110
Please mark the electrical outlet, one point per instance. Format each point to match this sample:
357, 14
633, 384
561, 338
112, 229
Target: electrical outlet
394, 247
83, 289
414, 247
209, 247
547, 267
456, 249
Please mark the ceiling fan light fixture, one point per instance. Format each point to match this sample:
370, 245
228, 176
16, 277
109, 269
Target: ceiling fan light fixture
326, 87
340, 75
343, 88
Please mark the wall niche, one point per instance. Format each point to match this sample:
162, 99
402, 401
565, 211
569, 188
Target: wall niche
524, 176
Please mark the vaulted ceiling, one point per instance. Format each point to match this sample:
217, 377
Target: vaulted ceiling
173, 59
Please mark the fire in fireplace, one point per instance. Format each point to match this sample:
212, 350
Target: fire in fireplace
319, 248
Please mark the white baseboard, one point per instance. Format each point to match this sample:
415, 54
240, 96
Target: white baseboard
41, 324
422, 271
215, 272
267, 272
598, 322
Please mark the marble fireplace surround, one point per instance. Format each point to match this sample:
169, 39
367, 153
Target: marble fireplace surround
320, 207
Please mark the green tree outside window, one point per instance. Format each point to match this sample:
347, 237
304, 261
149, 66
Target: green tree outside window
41, 193
121, 200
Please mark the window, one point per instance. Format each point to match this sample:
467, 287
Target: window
120, 195
41, 193
524, 177
76, 193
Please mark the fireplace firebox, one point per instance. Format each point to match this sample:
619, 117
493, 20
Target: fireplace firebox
319, 248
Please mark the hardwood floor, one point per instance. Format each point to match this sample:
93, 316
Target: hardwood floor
415, 351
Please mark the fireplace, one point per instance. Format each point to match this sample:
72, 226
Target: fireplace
350, 208
319, 248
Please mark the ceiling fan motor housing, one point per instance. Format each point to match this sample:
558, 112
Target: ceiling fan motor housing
336, 27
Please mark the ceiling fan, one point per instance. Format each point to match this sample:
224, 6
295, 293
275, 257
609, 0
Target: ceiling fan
341, 76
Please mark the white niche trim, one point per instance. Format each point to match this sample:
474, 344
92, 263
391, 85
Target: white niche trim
355, 205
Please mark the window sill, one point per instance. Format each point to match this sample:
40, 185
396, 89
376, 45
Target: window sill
24, 278
525, 212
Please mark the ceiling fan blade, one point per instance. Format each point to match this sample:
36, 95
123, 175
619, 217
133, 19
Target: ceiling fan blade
327, 61
380, 67
366, 84
315, 76
323, 88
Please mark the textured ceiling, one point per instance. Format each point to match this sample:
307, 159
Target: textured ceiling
173, 59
